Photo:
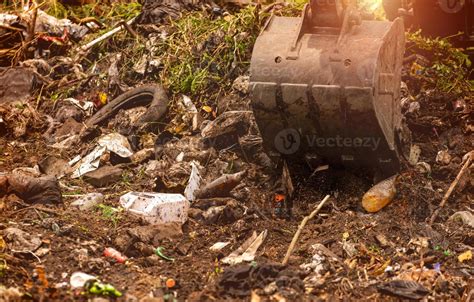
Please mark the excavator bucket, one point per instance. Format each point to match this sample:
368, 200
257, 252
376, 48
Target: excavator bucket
327, 84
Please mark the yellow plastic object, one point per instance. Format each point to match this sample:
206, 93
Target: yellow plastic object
380, 195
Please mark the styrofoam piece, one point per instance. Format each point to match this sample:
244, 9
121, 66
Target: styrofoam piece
88, 201
157, 208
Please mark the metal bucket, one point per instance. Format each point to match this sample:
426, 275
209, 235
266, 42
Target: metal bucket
328, 84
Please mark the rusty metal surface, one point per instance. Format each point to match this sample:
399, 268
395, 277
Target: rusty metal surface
322, 89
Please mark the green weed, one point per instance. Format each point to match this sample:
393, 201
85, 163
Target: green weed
448, 67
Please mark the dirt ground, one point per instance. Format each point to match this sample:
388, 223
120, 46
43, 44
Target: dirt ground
364, 252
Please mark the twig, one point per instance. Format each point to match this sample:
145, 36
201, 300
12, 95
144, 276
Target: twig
105, 36
300, 228
452, 187
31, 29
129, 29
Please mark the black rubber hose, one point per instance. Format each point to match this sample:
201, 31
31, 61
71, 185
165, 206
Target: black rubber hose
153, 96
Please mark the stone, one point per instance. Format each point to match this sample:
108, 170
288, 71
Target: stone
142, 155
21, 241
88, 201
103, 176
156, 232
54, 166
70, 127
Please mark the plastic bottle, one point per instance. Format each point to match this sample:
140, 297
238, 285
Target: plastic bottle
113, 253
380, 195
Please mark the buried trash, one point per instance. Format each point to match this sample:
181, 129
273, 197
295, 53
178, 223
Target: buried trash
44, 189
110, 252
466, 217
380, 195
98, 288
221, 186
159, 252
157, 208
113, 142
79, 279
247, 251
404, 289
88, 201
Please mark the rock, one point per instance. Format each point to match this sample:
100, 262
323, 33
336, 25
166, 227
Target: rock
156, 232
183, 248
103, 176
35, 189
195, 213
21, 241
54, 166
225, 130
70, 127
142, 155
241, 84
443, 157
144, 249
153, 260
88, 201
404, 289
16, 84
229, 213
68, 111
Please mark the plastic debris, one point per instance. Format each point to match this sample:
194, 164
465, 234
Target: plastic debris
465, 217
320, 261
219, 246
221, 186
194, 182
443, 157
247, 251
192, 112
379, 195
86, 106
110, 252
170, 283
79, 279
116, 143
415, 152
98, 288
423, 167
88, 201
159, 252
157, 208
113, 142
467, 255
89, 163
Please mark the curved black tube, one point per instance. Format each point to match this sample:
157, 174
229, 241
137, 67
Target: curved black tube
152, 95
